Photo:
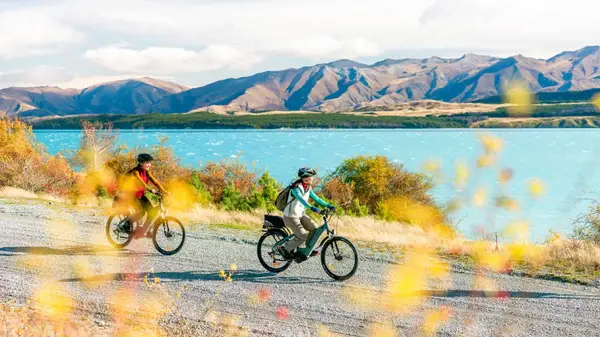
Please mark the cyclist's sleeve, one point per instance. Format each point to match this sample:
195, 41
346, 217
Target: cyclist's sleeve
297, 196
155, 182
318, 200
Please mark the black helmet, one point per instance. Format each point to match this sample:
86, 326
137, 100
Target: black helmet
306, 172
144, 157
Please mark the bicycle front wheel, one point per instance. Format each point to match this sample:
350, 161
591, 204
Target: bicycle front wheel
168, 235
339, 258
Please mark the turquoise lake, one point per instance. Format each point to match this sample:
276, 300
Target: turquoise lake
566, 160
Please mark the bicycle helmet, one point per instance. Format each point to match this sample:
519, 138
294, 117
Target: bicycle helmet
306, 172
144, 157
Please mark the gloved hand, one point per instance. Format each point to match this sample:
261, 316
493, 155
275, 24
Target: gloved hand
331, 208
315, 209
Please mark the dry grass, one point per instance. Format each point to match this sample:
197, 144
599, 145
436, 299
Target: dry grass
574, 255
409, 109
365, 229
17, 193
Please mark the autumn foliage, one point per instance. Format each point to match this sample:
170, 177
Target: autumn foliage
25, 164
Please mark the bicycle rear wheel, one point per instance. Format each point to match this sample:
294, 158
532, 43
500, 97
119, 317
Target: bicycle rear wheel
339, 258
168, 235
267, 257
118, 231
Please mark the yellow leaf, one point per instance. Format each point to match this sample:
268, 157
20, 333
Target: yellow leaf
596, 101
518, 231
537, 188
382, 330
233, 267
491, 144
480, 197
462, 174
485, 160
520, 98
432, 165
362, 298
434, 319
52, 300
518, 251
507, 203
492, 260
405, 283
439, 269
506, 175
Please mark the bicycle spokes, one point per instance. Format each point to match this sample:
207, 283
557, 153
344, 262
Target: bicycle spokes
169, 236
268, 255
339, 258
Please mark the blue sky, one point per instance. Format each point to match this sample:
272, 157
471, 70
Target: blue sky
77, 43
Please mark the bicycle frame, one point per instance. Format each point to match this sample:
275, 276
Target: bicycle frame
311, 245
162, 213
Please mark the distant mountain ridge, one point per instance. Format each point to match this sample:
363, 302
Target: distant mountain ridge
119, 97
336, 86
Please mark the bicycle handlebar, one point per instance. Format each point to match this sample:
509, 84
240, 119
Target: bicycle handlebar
326, 212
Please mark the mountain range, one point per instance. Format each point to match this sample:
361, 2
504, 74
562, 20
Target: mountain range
337, 86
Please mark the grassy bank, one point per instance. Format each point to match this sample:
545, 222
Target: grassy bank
575, 115
204, 120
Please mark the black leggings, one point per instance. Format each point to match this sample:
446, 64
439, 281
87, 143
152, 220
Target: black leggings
143, 206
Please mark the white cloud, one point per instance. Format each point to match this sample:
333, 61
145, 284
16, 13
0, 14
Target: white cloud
203, 35
36, 76
170, 60
326, 47
538, 28
512, 25
32, 32
61, 77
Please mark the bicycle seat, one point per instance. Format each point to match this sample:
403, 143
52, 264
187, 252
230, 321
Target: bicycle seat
273, 221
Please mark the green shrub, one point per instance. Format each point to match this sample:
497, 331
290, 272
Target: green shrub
587, 226
361, 185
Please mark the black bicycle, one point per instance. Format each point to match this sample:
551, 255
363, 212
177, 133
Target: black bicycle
338, 255
168, 233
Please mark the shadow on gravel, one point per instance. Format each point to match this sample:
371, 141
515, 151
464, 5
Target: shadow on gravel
252, 276
75, 250
505, 294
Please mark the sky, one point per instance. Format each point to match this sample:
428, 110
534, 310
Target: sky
77, 43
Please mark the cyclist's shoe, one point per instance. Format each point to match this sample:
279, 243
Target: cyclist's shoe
299, 257
284, 253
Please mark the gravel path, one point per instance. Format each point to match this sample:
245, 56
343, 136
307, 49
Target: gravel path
531, 307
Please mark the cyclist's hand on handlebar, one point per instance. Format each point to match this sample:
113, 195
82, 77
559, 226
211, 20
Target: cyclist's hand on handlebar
315, 209
154, 191
332, 208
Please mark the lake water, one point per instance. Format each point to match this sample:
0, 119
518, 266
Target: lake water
566, 160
